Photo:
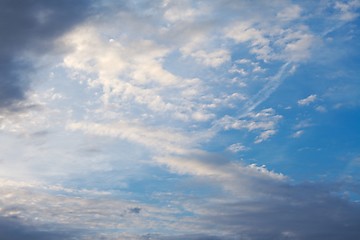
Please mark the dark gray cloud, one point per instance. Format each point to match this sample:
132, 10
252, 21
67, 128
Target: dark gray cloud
31, 26
180, 237
13, 229
307, 211
135, 210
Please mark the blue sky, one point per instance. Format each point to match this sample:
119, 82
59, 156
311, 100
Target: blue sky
179, 119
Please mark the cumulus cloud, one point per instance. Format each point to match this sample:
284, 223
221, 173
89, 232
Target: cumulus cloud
136, 76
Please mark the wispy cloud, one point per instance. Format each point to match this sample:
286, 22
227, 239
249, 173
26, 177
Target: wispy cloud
308, 100
264, 122
347, 10
237, 147
298, 134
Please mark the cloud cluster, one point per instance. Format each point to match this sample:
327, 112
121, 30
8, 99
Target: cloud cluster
347, 10
264, 122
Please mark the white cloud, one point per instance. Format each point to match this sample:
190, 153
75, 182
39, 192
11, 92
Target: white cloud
297, 46
308, 100
347, 10
264, 122
321, 109
290, 13
35, 115
264, 136
298, 134
237, 147
179, 11
273, 43
212, 59
230, 176
243, 32
303, 124
160, 140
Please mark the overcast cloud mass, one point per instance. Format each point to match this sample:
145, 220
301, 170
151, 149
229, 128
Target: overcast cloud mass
223, 119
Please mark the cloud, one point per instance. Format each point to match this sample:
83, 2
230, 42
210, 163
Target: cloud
156, 139
164, 85
303, 124
321, 109
188, 236
300, 126
273, 43
290, 212
31, 29
131, 72
297, 134
168, 77
237, 147
234, 177
264, 122
272, 83
213, 59
244, 32
347, 9
42, 211
264, 136
306, 101
33, 115
290, 13
135, 210
254, 204
186, 11
12, 228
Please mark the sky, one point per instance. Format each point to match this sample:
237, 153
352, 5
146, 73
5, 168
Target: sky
179, 119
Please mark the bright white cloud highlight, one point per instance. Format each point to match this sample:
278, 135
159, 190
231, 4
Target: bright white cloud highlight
308, 100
